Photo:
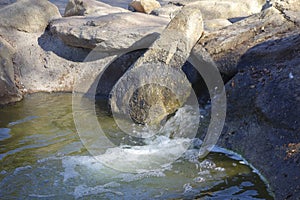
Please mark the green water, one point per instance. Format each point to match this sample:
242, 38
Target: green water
42, 157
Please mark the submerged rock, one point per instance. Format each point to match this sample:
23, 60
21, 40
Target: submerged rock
28, 15
155, 86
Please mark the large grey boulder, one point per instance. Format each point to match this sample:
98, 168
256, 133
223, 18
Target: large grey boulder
90, 7
28, 15
8, 89
113, 32
155, 86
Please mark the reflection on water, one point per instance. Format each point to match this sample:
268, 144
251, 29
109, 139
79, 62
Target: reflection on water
41, 156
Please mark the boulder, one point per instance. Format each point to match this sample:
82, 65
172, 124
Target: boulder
224, 9
157, 87
90, 7
28, 15
263, 117
226, 46
144, 6
110, 33
8, 89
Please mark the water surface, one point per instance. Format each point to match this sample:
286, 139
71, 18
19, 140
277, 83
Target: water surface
41, 156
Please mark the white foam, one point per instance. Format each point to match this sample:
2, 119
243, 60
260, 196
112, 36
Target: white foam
152, 156
83, 190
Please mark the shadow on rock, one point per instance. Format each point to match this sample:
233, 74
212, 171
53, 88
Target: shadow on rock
50, 42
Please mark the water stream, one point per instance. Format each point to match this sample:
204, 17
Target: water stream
42, 157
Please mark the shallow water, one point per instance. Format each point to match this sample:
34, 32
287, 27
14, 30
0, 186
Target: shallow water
41, 156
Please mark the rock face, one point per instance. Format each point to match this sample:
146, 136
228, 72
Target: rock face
144, 6
9, 91
127, 30
263, 118
90, 7
28, 15
157, 86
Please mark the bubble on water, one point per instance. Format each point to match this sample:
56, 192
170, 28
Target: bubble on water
207, 164
187, 188
199, 179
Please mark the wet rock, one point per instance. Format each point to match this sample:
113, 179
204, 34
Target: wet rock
157, 86
28, 15
109, 33
90, 7
144, 6
8, 89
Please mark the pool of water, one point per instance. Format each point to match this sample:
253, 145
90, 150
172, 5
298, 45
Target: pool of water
42, 156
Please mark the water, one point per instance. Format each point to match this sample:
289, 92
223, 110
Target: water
41, 156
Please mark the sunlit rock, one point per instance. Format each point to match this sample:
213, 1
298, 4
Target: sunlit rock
150, 102
28, 15
90, 7
144, 6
